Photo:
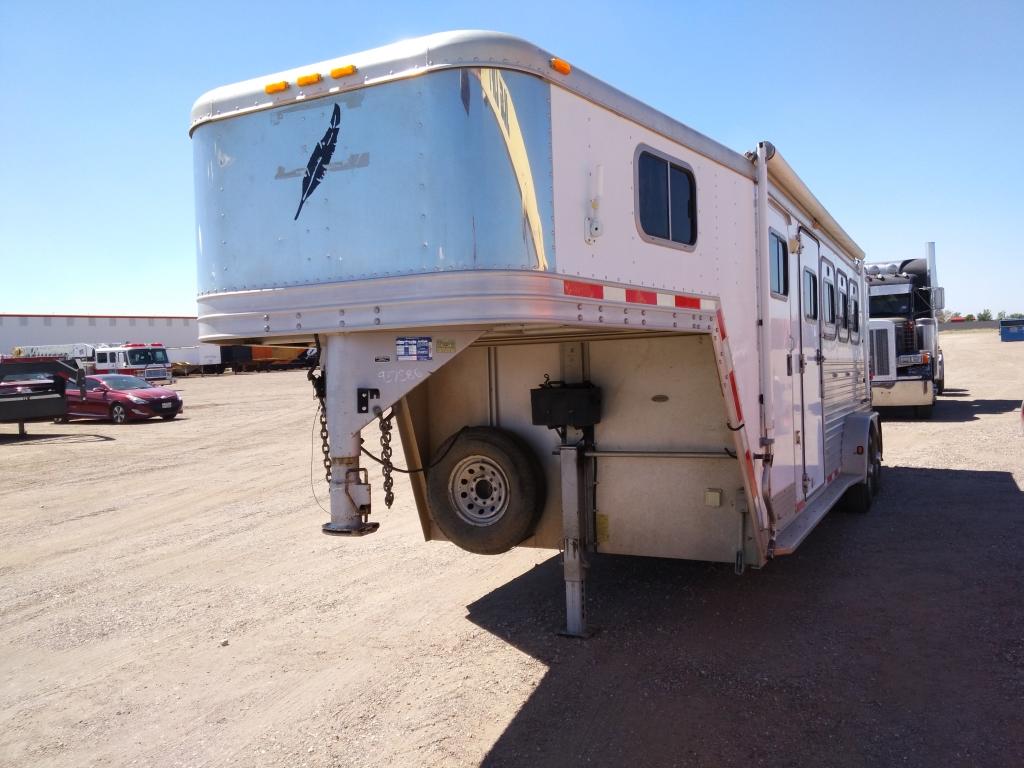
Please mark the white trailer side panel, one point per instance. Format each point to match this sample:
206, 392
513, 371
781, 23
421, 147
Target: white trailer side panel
593, 151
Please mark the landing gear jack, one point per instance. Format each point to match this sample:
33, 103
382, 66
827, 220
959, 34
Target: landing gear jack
575, 541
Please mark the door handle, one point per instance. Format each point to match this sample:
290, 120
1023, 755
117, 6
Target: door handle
819, 358
789, 364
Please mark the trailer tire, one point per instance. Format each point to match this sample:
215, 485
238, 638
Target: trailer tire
486, 490
118, 414
940, 386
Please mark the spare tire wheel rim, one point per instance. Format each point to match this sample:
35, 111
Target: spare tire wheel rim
479, 488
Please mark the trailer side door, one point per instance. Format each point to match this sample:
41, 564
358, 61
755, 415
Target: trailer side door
812, 434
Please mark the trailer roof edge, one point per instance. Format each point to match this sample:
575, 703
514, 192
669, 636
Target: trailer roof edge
447, 50
781, 173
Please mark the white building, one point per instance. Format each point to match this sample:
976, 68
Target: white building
24, 330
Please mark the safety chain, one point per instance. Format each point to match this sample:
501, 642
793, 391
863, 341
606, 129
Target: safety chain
387, 468
318, 378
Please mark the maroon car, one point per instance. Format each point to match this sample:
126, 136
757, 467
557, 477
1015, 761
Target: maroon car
121, 398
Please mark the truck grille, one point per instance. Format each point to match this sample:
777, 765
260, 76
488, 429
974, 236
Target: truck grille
156, 373
905, 342
880, 363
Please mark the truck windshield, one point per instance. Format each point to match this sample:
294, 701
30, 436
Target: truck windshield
146, 356
891, 305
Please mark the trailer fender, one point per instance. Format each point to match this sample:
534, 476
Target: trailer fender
857, 431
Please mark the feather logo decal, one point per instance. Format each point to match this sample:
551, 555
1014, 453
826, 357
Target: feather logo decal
318, 161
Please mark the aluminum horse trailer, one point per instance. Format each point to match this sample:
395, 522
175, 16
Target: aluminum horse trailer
595, 328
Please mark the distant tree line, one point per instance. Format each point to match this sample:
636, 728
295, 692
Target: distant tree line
946, 316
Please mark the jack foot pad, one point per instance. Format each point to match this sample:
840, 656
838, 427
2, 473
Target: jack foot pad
334, 529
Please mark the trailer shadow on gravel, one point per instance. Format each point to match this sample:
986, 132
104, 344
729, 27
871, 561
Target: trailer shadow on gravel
895, 637
953, 410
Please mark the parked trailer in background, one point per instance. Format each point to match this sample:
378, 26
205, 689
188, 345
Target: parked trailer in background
33, 390
240, 358
595, 328
908, 368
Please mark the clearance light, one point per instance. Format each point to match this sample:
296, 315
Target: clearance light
309, 79
925, 358
860, 450
561, 66
339, 72
276, 87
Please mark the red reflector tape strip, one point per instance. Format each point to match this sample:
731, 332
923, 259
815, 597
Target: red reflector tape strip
736, 396
642, 297
585, 290
636, 296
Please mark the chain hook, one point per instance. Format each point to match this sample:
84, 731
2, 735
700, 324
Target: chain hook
385, 456
318, 378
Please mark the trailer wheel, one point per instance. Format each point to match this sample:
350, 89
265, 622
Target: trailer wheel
486, 491
860, 496
118, 414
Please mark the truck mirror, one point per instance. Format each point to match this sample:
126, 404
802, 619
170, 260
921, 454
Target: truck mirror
938, 298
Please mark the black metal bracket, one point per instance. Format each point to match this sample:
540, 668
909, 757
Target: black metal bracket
363, 397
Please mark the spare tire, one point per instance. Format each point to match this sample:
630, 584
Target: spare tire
486, 490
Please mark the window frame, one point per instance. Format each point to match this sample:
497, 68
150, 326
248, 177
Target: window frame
688, 169
784, 295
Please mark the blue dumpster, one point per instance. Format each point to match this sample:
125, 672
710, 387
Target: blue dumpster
1011, 330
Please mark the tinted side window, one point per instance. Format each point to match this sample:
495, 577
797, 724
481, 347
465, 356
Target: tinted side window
101, 357
810, 295
683, 219
652, 177
666, 195
843, 307
830, 303
778, 256
855, 315
90, 385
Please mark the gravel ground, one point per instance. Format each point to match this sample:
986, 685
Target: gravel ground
166, 599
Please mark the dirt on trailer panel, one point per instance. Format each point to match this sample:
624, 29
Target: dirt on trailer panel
167, 600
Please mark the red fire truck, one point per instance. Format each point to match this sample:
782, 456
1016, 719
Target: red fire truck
147, 361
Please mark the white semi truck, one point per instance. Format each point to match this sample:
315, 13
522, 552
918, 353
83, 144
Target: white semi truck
594, 328
907, 365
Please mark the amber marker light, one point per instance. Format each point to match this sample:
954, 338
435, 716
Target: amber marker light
561, 66
277, 87
309, 79
345, 71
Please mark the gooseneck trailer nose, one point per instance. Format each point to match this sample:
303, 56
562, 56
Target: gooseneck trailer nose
595, 328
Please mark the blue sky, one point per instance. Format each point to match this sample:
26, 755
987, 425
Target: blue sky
904, 119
